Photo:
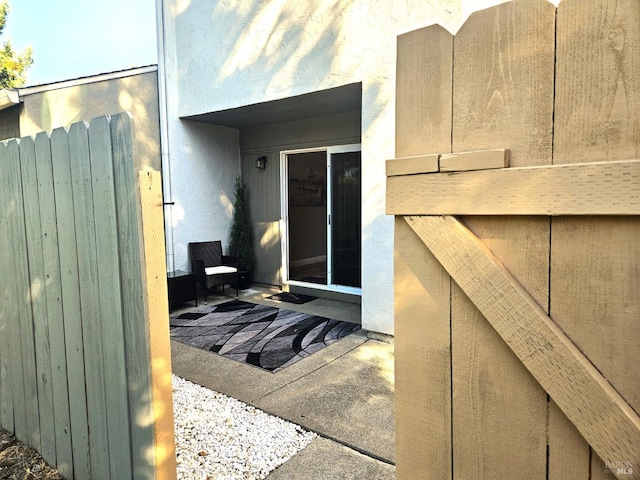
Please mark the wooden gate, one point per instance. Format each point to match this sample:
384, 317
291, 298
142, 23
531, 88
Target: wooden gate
516, 191
85, 369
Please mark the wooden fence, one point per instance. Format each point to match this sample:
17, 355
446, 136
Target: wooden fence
85, 375
516, 191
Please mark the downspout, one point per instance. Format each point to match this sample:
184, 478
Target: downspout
164, 138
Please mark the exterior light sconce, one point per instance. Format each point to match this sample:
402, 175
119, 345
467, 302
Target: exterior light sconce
261, 162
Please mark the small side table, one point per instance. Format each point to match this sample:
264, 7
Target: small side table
182, 288
243, 280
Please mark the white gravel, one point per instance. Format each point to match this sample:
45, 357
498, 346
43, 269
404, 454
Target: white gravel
218, 437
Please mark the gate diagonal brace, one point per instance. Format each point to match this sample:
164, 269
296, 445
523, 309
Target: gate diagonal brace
599, 413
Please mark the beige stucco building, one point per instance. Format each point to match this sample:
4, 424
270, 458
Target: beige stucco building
29, 110
310, 86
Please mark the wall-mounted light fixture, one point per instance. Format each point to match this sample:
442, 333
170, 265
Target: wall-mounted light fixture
261, 162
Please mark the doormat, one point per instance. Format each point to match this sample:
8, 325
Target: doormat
266, 337
297, 298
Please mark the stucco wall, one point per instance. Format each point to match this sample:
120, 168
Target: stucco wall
10, 122
204, 165
137, 94
232, 53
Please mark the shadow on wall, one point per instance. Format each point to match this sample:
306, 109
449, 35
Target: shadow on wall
137, 94
280, 46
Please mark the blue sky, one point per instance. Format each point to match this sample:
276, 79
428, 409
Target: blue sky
76, 38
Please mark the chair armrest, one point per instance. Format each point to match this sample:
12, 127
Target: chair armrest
198, 270
230, 261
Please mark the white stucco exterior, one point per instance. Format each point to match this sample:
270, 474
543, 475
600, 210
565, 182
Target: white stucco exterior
232, 53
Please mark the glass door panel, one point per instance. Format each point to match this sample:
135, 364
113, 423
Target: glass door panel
307, 216
346, 218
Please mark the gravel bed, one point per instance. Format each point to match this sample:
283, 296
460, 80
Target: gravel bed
218, 437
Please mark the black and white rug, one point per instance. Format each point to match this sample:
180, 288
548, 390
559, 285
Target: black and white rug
297, 298
260, 335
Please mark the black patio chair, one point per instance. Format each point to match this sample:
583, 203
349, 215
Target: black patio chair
211, 267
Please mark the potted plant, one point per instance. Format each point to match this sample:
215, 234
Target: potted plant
240, 242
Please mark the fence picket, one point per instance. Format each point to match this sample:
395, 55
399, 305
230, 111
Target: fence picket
568, 451
75, 355
53, 298
37, 316
503, 63
422, 285
24, 384
423, 351
134, 310
89, 299
424, 125
72, 315
110, 297
597, 92
598, 118
157, 301
8, 387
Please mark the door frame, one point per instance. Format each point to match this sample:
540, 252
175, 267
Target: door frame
284, 217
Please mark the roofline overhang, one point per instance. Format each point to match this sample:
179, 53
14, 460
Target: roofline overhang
101, 77
9, 97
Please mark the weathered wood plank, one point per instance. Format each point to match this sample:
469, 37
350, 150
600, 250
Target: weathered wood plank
8, 322
158, 307
423, 127
480, 160
503, 81
499, 410
422, 360
53, 298
597, 90
502, 97
24, 294
608, 188
14, 213
37, 315
423, 98
70, 288
522, 245
133, 294
6, 395
601, 470
111, 327
412, 165
569, 453
595, 283
601, 415
598, 118
83, 204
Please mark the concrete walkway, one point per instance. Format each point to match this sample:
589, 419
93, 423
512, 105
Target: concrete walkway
344, 393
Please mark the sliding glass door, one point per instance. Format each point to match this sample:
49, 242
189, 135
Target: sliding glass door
307, 217
322, 210
345, 219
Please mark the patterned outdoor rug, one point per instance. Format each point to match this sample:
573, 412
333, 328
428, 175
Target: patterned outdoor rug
260, 335
297, 298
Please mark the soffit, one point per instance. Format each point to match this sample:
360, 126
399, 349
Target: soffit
332, 101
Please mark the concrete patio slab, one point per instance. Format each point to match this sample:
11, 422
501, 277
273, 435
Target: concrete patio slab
344, 392
327, 460
349, 399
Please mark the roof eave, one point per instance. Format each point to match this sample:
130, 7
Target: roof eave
9, 97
